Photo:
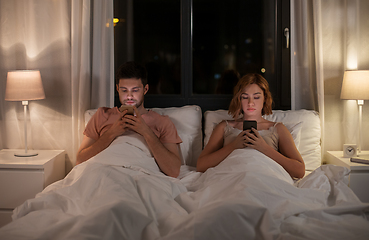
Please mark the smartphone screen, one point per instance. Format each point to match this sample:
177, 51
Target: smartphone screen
129, 108
249, 125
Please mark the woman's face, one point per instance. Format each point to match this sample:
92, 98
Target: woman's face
252, 100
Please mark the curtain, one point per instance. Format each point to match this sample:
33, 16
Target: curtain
307, 88
329, 37
92, 61
71, 43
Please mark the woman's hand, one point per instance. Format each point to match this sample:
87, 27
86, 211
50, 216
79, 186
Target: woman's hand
241, 140
255, 140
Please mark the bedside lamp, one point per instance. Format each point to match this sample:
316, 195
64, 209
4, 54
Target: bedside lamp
24, 86
355, 86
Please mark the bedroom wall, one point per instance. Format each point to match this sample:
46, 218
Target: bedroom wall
76, 71
36, 35
345, 27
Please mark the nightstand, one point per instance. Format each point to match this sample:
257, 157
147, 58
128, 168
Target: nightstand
359, 175
21, 178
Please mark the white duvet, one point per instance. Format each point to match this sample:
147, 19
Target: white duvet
249, 196
121, 194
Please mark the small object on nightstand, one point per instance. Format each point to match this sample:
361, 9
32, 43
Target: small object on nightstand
360, 159
349, 150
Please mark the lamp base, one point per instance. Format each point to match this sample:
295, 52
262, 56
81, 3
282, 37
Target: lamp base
24, 154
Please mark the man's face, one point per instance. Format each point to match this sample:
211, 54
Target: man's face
131, 91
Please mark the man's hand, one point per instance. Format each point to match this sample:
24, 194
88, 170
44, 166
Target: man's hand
136, 123
120, 126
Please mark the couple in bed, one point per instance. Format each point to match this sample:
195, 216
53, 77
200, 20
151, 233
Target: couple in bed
251, 100
118, 191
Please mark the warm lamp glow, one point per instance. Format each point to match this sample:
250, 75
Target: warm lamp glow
24, 85
355, 85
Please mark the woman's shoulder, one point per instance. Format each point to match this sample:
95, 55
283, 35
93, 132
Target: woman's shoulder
266, 125
233, 122
224, 123
279, 125
281, 128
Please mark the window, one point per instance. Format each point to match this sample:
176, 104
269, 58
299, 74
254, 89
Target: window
194, 49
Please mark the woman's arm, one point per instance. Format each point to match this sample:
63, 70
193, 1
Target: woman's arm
288, 156
214, 152
294, 164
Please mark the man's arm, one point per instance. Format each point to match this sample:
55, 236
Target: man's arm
91, 147
166, 155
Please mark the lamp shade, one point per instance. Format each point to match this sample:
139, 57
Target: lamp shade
355, 85
24, 85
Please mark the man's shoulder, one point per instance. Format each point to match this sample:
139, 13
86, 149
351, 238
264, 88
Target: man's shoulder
152, 113
106, 112
156, 115
160, 121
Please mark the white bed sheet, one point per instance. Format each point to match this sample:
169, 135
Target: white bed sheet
248, 194
120, 194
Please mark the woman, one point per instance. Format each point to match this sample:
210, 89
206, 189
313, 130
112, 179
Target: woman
252, 99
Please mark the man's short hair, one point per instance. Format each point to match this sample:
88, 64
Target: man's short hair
131, 70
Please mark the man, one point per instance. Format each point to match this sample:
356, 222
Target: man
107, 124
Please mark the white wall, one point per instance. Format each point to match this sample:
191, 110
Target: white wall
345, 27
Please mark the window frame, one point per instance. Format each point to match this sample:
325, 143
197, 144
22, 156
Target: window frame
282, 100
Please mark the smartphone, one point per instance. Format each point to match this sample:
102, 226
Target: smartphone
249, 124
127, 107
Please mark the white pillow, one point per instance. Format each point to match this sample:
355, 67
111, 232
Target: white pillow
187, 120
310, 148
295, 130
304, 126
212, 118
88, 114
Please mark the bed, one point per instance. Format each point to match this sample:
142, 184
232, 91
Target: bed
121, 194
